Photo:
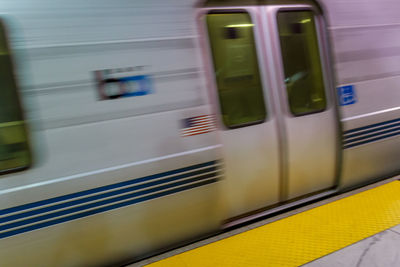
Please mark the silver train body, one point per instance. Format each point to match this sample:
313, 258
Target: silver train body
115, 175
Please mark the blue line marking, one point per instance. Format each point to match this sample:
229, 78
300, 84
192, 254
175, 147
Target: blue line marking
100, 196
371, 140
370, 126
371, 135
373, 130
102, 188
103, 209
100, 203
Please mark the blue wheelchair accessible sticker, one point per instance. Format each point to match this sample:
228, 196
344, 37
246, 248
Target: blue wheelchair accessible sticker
347, 95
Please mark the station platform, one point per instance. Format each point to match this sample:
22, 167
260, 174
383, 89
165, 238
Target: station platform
359, 228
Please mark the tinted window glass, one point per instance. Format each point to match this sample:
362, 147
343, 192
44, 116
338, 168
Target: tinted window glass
301, 62
236, 68
14, 153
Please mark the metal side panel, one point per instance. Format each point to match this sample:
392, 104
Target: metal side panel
366, 43
371, 145
118, 220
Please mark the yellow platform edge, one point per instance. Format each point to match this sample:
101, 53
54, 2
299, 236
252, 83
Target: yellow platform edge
303, 237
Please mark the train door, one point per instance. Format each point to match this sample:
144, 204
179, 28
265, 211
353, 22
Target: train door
269, 77
297, 43
244, 109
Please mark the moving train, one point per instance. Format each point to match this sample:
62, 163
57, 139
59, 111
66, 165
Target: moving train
130, 126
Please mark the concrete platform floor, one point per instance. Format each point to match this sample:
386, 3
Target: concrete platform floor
379, 250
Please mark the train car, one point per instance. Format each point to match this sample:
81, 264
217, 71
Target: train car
130, 126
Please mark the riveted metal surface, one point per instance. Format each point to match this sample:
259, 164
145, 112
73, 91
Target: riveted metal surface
303, 237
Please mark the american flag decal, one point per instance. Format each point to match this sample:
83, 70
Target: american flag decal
198, 125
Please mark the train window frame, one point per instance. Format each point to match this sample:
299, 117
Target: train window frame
321, 64
259, 69
17, 155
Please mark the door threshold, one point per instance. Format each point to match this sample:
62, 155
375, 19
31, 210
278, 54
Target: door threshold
278, 209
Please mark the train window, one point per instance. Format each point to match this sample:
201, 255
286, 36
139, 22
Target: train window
14, 149
236, 68
301, 62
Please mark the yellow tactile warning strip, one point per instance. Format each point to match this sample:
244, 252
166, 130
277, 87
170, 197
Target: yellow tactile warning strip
303, 237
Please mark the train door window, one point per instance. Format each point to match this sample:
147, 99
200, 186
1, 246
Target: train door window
236, 68
14, 149
301, 62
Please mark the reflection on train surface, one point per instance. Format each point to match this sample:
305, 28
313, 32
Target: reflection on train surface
130, 126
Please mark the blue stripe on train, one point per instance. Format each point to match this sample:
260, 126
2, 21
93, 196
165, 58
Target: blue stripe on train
373, 130
381, 133
371, 133
371, 140
102, 188
371, 125
100, 210
98, 203
115, 199
100, 196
